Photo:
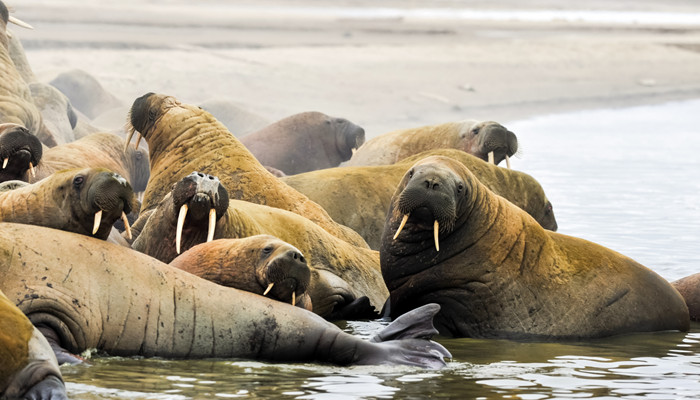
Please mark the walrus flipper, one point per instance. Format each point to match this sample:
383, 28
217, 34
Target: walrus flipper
360, 308
417, 323
51, 388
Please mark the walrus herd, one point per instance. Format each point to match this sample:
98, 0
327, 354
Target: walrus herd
186, 245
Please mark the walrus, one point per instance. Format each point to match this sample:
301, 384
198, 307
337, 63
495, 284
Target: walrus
98, 150
260, 264
57, 113
29, 369
83, 293
487, 140
496, 273
85, 92
238, 120
305, 142
689, 288
359, 197
183, 138
345, 282
20, 152
86, 201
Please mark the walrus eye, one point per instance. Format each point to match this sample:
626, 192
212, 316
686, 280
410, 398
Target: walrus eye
410, 174
475, 131
459, 188
151, 114
78, 181
267, 250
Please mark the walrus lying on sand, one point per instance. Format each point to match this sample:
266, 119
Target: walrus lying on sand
305, 142
199, 210
359, 197
260, 264
183, 138
84, 293
20, 152
487, 140
86, 201
496, 273
28, 369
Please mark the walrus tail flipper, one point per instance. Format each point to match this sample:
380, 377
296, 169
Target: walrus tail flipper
50, 388
417, 323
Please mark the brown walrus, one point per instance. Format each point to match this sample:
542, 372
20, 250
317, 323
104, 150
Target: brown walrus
359, 197
98, 150
137, 305
689, 288
498, 274
86, 201
345, 281
487, 140
28, 369
20, 152
305, 142
183, 138
260, 264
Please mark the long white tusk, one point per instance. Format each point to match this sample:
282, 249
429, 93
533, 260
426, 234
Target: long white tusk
128, 139
4, 162
403, 222
31, 170
126, 226
138, 140
19, 22
294, 298
180, 224
212, 225
507, 161
436, 227
268, 288
96, 224
491, 160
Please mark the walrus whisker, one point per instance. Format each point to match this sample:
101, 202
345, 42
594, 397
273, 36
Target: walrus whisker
180, 224
96, 224
268, 288
436, 228
212, 225
31, 170
403, 222
4, 162
19, 22
491, 158
507, 161
126, 226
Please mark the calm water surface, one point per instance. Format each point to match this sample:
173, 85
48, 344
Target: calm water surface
628, 179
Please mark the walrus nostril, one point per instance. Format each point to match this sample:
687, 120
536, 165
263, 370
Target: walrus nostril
436, 186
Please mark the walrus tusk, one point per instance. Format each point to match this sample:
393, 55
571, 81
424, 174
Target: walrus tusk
19, 22
268, 288
491, 160
212, 225
138, 140
180, 224
403, 222
4, 162
436, 227
294, 298
31, 170
507, 161
126, 226
128, 139
96, 224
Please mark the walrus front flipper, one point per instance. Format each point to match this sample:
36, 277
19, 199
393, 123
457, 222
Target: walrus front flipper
51, 388
63, 356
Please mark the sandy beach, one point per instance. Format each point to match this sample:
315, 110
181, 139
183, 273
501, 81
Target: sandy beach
384, 65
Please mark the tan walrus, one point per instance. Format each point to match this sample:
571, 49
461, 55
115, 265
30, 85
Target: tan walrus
83, 293
487, 140
343, 276
183, 138
86, 201
359, 197
498, 274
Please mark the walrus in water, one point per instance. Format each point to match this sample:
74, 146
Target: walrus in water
183, 138
689, 288
260, 264
28, 369
487, 140
20, 152
359, 197
305, 142
346, 282
83, 293
85, 201
496, 273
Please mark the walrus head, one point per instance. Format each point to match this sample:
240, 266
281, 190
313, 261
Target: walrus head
20, 152
145, 112
349, 137
5, 17
490, 141
202, 200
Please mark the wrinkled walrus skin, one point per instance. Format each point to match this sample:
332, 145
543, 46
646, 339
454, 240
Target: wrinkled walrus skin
183, 138
499, 274
93, 294
28, 369
359, 197
69, 199
340, 272
689, 288
477, 138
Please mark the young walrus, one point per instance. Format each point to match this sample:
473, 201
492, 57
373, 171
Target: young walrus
183, 138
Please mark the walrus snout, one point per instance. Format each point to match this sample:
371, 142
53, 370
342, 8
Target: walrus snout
495, 143
19, 151
289, 275
112, 198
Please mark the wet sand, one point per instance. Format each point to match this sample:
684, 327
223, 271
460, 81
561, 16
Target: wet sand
386, 67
